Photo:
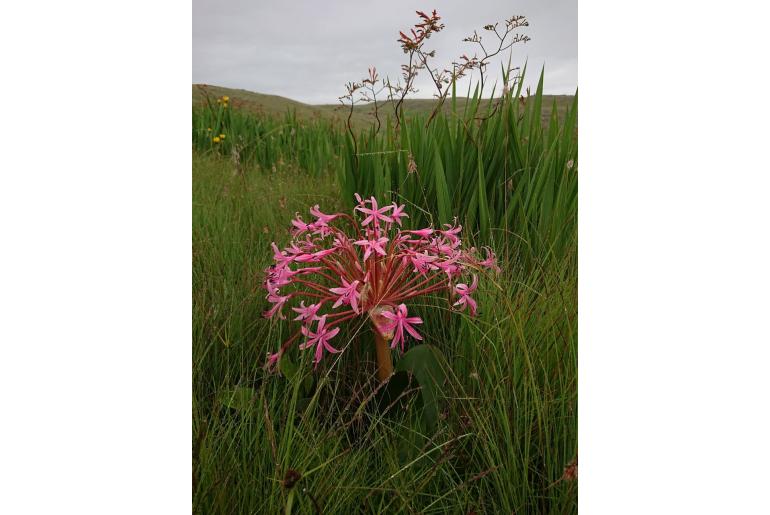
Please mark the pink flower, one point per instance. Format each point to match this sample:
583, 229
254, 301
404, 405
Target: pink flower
300, 226
373, 246
320, 228
423, 262
347, 294
278, 302
278, 277
398, 213
374, 213
316, 212
399, 322
273, 359
307, 270
315, 256
490, 261
450, 266
307, 314
281, 259
294, 249
452, 232
422, 233
320, 338
464, 291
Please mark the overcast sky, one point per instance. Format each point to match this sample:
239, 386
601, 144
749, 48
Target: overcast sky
308, 49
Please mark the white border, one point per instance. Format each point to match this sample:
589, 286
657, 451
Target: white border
674, 282
95, 286
96, 274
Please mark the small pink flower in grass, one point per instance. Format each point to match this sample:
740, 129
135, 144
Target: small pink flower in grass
464, 291
399, 322
320, 338
375, 214
373, 246
398, 213
348, 294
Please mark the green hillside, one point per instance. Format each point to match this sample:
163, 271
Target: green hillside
274, 105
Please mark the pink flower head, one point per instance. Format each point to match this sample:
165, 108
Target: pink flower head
399, 322
375, 214
398, 213
373, 246
464, 291
320, 338
365, 266
348, 294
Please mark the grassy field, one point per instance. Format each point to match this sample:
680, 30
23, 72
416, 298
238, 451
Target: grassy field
335, 440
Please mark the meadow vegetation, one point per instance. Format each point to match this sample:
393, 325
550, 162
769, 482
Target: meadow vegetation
481, 417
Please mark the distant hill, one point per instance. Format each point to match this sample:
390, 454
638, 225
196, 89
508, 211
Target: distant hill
274, 105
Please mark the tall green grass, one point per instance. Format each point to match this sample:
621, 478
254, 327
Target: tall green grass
266, 141
508, 175
508, 423
502, 171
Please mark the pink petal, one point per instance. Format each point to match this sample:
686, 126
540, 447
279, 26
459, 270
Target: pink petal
472, 304
413, 332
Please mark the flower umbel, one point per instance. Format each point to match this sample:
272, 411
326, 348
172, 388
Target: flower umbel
338, 267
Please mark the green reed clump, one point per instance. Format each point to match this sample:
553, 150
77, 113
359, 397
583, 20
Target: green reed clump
500, 168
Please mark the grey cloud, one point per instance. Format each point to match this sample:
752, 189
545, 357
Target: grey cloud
307, 50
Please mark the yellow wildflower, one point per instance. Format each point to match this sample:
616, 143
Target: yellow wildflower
216, 139
222, 136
